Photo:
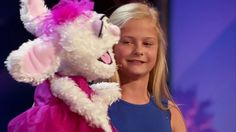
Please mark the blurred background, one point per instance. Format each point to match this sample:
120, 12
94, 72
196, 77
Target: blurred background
201, 55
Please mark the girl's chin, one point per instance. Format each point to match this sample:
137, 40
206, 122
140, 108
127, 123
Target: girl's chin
135, 74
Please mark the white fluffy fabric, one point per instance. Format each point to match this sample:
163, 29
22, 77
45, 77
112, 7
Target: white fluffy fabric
29, 12
82, 48
106, 93
95, 110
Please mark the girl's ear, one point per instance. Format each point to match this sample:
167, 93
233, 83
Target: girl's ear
34, 61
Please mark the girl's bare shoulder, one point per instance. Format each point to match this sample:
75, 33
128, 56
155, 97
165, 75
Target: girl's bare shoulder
177, 120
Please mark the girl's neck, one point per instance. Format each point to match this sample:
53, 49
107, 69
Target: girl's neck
135, 90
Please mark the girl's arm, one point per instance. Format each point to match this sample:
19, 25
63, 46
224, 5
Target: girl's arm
177, 120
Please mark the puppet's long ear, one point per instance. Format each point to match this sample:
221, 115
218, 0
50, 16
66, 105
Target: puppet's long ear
34, 61
31, 13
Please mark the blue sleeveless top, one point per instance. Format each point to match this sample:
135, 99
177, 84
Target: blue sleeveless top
127, 117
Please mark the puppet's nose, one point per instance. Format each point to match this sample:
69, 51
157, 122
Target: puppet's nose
115, 30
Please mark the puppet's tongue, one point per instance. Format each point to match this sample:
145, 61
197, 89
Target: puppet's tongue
106, 58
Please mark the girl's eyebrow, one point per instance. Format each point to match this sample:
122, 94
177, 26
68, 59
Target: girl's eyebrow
150, 39
131, 37
126, 36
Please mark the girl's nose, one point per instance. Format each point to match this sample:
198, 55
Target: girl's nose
138, 53
138, 50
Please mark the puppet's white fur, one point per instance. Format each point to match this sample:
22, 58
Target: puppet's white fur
95, 110
29, 12
76, 51
105, 93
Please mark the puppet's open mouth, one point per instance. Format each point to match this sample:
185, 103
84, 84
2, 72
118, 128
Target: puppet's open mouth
105, 58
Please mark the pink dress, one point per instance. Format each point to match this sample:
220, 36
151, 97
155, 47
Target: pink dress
50, 114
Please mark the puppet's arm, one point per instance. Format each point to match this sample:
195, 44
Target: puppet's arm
68, 91
106, 92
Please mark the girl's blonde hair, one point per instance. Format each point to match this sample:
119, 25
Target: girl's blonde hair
157, 85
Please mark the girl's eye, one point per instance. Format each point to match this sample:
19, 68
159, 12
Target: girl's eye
125, 42
148, 43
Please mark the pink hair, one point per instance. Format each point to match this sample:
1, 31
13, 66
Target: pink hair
64, 11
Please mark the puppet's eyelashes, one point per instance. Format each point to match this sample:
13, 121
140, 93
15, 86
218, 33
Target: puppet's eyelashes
97, 27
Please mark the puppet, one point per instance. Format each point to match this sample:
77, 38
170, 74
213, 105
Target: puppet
73, 46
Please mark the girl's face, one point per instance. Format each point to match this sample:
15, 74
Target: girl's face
136, 51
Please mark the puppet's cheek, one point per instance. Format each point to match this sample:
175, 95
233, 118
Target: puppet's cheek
115, 30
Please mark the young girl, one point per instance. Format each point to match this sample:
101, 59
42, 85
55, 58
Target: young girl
146, 104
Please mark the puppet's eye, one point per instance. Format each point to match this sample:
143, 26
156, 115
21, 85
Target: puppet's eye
97, 27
